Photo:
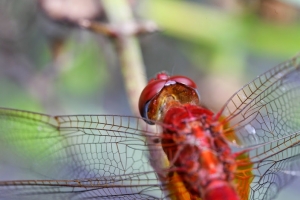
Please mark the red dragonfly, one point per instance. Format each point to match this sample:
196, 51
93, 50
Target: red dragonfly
248, 150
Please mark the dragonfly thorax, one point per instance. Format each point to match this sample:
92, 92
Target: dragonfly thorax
195, 151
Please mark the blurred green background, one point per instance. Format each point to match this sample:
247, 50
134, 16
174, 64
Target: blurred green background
57, 68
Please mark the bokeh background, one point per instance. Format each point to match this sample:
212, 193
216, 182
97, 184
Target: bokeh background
54, 67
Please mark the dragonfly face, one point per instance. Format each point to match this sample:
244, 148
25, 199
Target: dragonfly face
119, 157
164, 90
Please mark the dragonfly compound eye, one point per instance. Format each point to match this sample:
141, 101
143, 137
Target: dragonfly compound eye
153, 88
164, 89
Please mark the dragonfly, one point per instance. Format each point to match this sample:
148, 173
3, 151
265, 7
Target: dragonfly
178, 149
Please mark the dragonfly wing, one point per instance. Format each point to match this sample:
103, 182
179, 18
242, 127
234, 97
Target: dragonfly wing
75, 156
267, 108
271, 175
265, 118
268, 168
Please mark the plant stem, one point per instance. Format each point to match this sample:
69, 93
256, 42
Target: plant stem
120, 15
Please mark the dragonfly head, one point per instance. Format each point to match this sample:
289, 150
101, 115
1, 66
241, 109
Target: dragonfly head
163, 92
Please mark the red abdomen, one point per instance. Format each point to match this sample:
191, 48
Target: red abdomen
222, 192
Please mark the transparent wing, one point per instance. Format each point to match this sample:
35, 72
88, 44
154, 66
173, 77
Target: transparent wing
267, 108
75, 157
273, 173
265, 116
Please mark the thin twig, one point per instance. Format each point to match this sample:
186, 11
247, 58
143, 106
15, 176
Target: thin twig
120, 15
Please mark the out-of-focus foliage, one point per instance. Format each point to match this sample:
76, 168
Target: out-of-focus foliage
45, 63
244, 28
216, 43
